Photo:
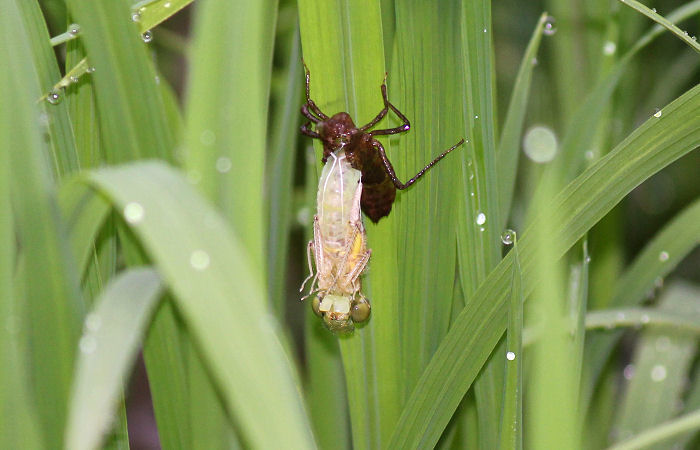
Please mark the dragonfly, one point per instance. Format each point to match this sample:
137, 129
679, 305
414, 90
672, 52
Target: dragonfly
363, 151
339, 248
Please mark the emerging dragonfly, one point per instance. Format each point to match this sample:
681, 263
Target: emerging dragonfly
339, 248
364, 153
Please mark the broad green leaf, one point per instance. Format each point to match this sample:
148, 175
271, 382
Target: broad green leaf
580, 205
108, 348
219, 297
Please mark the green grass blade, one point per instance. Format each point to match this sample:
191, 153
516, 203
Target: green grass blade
687, 423
683, 35
20, 425
233, 331
640, 317
661, 363
346, 72
425, 90
280, 175
123, 68
155, 12
62, 142
508, 151
164, 353
49, 306
576, 209
109, 346
511, 434
227, 104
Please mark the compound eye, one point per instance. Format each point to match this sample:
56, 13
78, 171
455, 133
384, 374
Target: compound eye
315, 306
360, 310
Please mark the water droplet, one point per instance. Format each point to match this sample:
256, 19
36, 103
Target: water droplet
628, 371
157, 78
166, 5
685, 33
663, 256
540, 144
199, 260
508, 236
482, 229
589, 155
74, 29
480, 218
471, 194
653, 10
550, 26
74, 79
55, 96
223, 164
133, 213
136, 16
88, 344
658, 373
657, 112
534, 61
93, 322
207, 137
587, 259
304, 216
484, 30
90, 70
476, 116
609, 48
147, 36
510, 356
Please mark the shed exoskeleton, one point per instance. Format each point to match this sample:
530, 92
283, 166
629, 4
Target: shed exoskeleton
339, 247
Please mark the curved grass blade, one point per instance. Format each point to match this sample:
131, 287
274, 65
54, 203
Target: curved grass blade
509, 144
233, 331
642, 317
579, 206
685, 37
686, 423
110, 343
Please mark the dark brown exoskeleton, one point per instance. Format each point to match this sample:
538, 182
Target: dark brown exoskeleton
364, 153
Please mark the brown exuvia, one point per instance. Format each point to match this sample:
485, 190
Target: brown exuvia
363, 151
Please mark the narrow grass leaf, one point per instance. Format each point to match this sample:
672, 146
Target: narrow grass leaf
658, 371
125, 83
587, 199
511, 430
233, 331
656, 260
686, 423
61, 140
111, 340
49, 305
642, 317
509, 144
285, 130
149, 14
658, 18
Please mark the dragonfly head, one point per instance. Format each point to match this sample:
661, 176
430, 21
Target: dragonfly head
341, 312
